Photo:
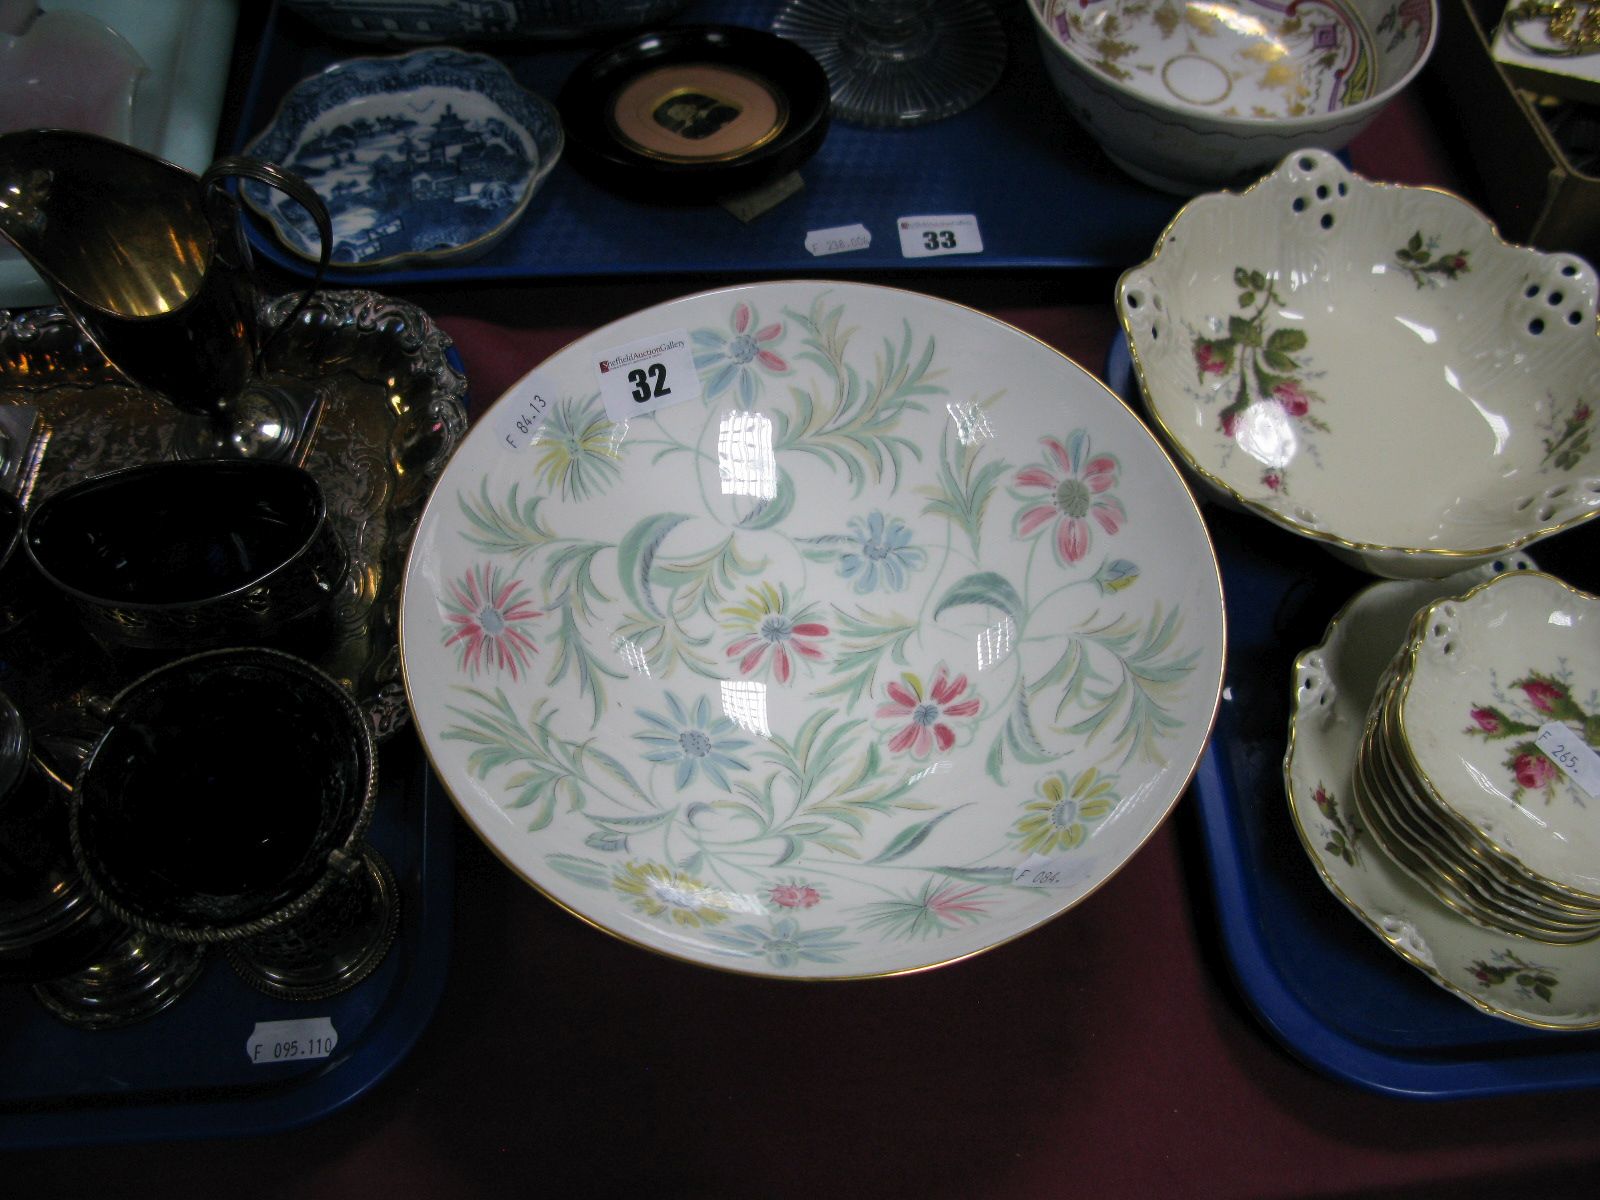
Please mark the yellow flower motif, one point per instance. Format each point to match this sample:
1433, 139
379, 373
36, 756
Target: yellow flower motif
1060, 820
659, 891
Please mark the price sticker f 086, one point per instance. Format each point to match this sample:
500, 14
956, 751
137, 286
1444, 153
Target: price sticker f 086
1573, 755
928, 237
647, 374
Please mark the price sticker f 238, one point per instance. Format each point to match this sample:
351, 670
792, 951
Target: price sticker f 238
927, 237
647, 374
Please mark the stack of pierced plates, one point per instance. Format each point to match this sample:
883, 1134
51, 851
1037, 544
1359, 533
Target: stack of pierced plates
1477, 772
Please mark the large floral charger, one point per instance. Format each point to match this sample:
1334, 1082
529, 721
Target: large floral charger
887, 636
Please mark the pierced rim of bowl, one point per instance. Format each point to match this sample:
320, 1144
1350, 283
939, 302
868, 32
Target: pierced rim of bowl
1463, 557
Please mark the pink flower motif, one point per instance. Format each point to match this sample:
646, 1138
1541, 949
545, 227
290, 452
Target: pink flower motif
743, 317
1580, 414
925, 713
1229, 423
1542, 695
1209, 360
484, 615
1533, 770
794, 895
1273, 480
1291, 398
1078, 484
1486, 719
773, 626
1323, 801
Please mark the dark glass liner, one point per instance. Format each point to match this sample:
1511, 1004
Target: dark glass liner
178, 556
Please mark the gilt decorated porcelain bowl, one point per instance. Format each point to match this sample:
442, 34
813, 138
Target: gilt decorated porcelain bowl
422, 158
1498, 712
1370, 366
814, 630
1505, 974
1190, 94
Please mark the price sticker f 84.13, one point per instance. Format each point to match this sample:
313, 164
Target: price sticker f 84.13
928, 237
647, 374
286, 1041
519, 414
1573, 755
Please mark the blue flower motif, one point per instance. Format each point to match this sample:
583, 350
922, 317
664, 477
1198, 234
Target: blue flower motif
695, 741
882, 555
782, 942
733, 358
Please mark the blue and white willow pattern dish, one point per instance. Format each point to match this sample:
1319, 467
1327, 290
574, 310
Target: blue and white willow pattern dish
427, 157
793, 676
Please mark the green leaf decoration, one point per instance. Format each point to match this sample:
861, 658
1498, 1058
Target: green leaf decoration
636, 554
513, 528
964, 489
635, 824
912, 836
864, 639
985, 588
993, 876
573, 654
583, 871
768, 513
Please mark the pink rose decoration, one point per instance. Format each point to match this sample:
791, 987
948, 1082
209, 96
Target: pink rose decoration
1534, 771
1291, 398
1487, 719
1543, 696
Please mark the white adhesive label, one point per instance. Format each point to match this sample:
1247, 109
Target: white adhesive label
518, 417
1573, 755
647, 374
841, 239
287, 1041
1043, 871
928, 237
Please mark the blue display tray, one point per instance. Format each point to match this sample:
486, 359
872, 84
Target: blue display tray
1319, 980
185, 1072
1042, 192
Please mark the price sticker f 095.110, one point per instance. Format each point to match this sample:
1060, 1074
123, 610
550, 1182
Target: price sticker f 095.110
1573, 755
927, 237
286, 1041
647, 374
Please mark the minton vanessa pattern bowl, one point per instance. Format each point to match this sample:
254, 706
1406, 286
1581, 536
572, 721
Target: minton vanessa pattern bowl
427, 157
1370, 366
1188, 94
1505, 974
886, 635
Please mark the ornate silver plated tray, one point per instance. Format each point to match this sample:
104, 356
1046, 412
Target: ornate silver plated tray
392, 412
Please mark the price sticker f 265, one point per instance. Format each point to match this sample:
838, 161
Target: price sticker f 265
647, 374
286, 1041
928, 237
1573, 755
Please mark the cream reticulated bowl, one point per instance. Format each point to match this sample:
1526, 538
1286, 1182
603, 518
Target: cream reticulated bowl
1369, 365
1187, 95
